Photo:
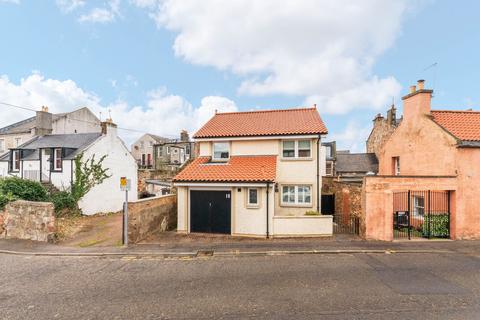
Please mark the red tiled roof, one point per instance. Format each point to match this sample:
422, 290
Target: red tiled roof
263, 123
237, 169
464, 125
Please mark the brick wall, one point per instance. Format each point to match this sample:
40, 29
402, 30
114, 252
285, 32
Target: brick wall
145, 174
347, 196
151, 215
28, 220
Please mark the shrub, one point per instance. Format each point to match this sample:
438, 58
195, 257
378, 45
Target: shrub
4, 199
64, 203
438, 225
312, 213
23, 189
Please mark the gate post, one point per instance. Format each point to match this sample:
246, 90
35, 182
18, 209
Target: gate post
408, 215
429, 216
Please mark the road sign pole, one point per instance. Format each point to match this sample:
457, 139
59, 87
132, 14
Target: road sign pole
125, 220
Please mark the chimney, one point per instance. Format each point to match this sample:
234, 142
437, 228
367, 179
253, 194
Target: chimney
43, 122
184, 137
108, 127
392, 116
417, 102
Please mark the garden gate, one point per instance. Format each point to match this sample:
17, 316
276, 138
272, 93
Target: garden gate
421, 214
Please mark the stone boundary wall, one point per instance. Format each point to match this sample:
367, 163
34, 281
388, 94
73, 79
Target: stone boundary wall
348, 196
150, 215
28, 220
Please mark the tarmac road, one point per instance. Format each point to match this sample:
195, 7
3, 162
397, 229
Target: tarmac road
334, 286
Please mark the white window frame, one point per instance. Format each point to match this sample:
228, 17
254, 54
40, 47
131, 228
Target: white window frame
250, 204
296, 149
327, 171
213, 151
2, 145
18, 141
296, 195
15, 157
396, 164
55, 158
417, 206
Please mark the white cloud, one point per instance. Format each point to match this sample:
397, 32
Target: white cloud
68, 6
323, 51
352, 138
164, 113
102, 15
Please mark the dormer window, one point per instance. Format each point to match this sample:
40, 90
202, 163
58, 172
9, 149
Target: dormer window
15, 165
221, 151
57, 159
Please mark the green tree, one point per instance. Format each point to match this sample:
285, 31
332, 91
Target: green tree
88, 174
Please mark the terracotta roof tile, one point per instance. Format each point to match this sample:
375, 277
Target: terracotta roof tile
263, 123
237, 169
464, 125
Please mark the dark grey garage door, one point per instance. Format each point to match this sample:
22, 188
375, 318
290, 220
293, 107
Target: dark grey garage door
210, 211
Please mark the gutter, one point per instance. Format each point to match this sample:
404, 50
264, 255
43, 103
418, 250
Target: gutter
268, 187
318, 174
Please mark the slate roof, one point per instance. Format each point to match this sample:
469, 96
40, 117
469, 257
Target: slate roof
237, 169
263, 123
356, 162
28, 124
464, 125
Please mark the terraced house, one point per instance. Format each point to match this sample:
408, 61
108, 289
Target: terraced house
429, 173
258, 174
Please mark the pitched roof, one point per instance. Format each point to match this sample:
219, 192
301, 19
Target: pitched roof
237, 169
464, 125
158, 139
356, 162
28, 124
263, 123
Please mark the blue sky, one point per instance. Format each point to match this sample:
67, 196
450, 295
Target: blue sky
145, 60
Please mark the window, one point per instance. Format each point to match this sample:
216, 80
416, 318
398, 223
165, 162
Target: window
296, 149
168, 150
329, 168
297, 195
15, 160
288, 149
18, 141
160, 151
252, 196
304, 149
151, 143
143, 159
221, 151
396, 166
418, 206
187, 149
142, 144
57, 159
2, 145
328, 152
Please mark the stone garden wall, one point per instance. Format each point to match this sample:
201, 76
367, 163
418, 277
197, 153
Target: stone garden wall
28, 220
150, 215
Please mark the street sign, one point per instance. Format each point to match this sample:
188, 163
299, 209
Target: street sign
125, 184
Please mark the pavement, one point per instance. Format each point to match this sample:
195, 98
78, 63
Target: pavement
195, 245
321, 286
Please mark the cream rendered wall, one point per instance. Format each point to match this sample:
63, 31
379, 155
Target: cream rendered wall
250, 221
254, 147
205, 148
296, 171
31, 166
182, 204
3, 168
138, 150
108, 197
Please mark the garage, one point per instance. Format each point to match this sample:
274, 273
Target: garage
210, 211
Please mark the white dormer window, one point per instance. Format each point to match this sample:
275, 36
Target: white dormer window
15, 160
297, 149
221, 151
57, 159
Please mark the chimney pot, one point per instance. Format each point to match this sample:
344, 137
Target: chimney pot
421, 84
413, 89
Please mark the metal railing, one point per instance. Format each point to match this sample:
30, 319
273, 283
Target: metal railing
346, 224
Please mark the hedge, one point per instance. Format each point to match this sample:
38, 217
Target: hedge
436, 225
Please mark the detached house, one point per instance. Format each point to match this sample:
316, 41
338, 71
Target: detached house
257, 174
50, 159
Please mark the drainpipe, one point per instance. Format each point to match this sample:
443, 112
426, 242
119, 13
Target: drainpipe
318, 174
268, 187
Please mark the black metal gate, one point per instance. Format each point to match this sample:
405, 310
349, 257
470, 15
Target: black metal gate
346, 224
421, 214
